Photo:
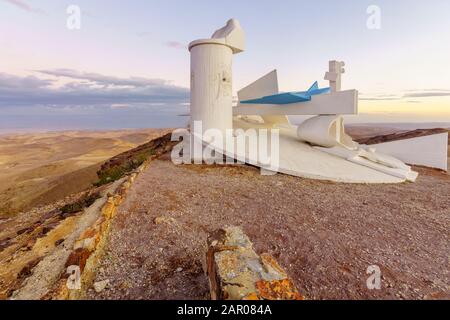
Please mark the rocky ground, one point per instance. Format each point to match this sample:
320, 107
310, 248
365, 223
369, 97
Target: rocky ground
29, 237
324, 234
35, 242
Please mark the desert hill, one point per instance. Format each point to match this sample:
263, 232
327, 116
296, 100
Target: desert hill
38, 169
401, 136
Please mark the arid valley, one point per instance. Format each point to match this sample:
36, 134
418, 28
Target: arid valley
41, 168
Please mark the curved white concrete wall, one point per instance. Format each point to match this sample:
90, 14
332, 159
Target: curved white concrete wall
325, 131
429, 151
211, 86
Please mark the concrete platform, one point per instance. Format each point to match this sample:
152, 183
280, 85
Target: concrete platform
302, 160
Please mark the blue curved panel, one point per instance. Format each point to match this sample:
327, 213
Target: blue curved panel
289, 97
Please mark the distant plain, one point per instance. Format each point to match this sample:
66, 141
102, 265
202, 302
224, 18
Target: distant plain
41, 168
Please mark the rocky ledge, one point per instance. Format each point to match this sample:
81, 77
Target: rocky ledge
236, 272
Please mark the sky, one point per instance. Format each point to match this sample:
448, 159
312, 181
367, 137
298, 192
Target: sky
128, 64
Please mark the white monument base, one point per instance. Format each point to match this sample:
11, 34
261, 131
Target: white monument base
429, 151
302, 160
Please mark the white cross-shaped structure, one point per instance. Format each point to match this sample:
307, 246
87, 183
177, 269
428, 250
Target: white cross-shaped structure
335, 75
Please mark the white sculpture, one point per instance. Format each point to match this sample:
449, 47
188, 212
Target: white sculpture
430, 151
334, 75
376, 161
318, 148
338, 102
233, 35
265, 86
211, 76
326, 131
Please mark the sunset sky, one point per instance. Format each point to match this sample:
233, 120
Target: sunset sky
128, 65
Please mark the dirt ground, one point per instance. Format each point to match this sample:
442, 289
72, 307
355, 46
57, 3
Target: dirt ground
324, 234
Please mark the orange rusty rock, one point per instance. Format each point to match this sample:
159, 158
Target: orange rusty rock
99, 222
228, 261
268, 260
30, 244
118, 200
123, 190
126, 185
251, 296
79, 258
108, 209
235, 271
89, 233
104, 226
278, 290
59, 291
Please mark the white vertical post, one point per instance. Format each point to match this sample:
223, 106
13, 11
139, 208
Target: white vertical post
211, 77
211, 86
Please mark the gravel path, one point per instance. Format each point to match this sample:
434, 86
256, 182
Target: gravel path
324, 234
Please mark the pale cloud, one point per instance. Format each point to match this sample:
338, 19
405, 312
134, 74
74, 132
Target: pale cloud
103, 79
12, 81
87, 89
428, 94
21, 4
144, 34
378, 99
175, 45
120, 106
425, 93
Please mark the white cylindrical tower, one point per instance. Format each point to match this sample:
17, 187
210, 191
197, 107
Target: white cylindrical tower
211, 85
211, 77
